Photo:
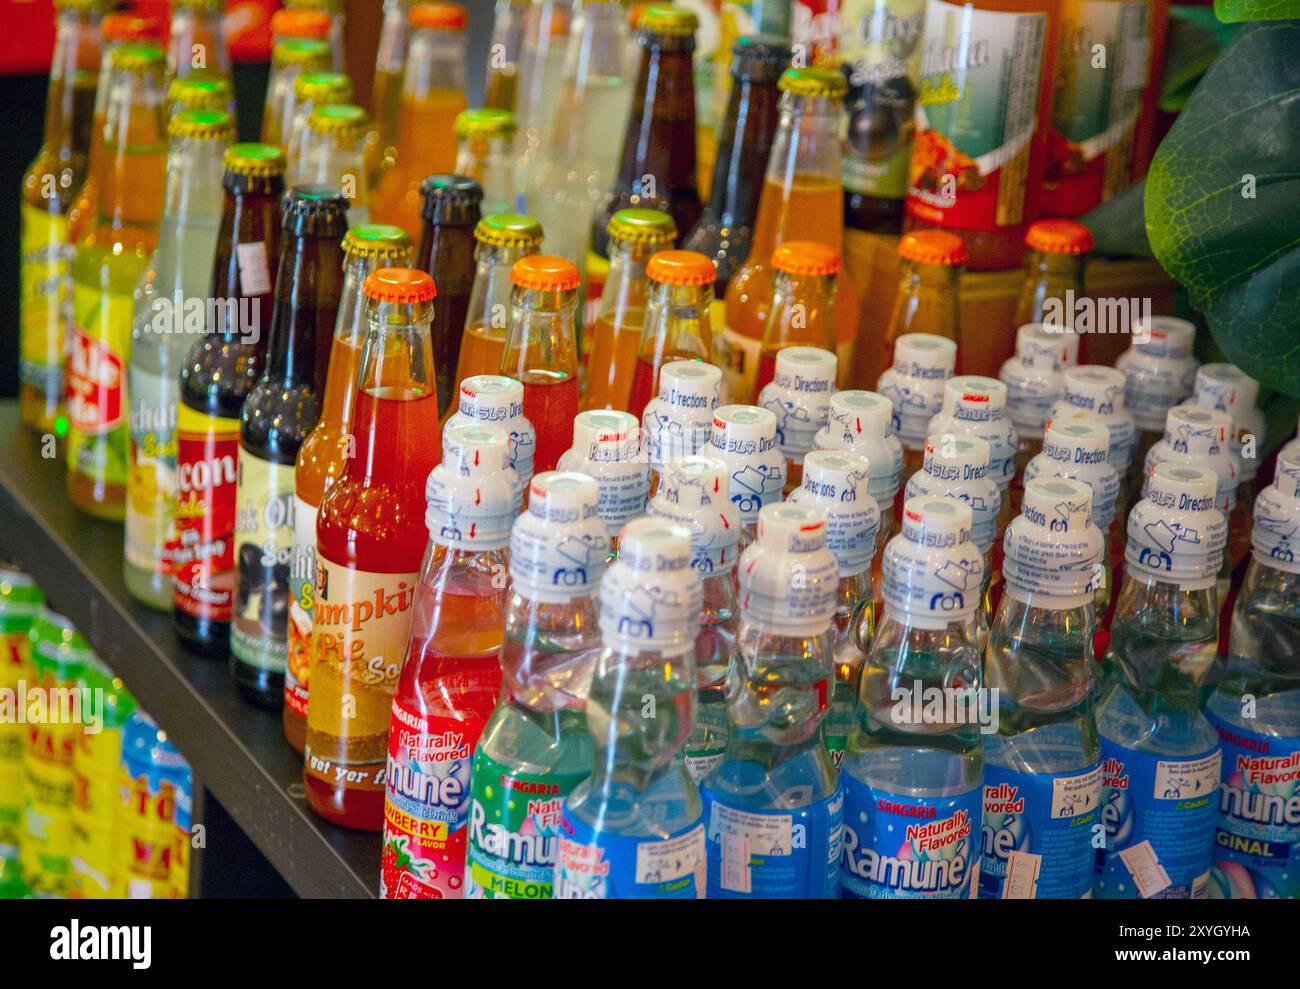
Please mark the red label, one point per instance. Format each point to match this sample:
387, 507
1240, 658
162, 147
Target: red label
207, 463
93, 384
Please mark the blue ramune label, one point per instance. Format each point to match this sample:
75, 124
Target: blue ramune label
592, 865
1037, 833
774, 854
1257, 842
1159, 817
900, 847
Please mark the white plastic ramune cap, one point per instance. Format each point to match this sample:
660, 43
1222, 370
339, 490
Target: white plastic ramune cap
497, 400
799, 395
1164, 336
558, 548
861, 422
914, 384
1094, 389
1159, 369
788, 578
1200, 436
1053, 550
838, 483
1277, 517
471, 494
932, 568
1079, 448
651, 596
678, 420
695, 495
607, 445
1229, 389
1035, 375
957, 466
1176, 534
744, 437
976, 406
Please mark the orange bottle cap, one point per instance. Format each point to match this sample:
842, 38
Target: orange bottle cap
297, 23
545, 273
438, 17
400, 285
932, 247
1058, 237
129, 27
806, 257
681, 268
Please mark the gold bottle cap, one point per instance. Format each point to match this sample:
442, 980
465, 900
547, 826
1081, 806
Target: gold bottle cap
643, 227
509, 230
484, 122
813, 82
202, 125
322, 87
340, 119
378, 240
254, 160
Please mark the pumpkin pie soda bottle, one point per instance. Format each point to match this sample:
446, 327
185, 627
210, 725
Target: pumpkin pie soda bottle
370, 540
803, 303
541, 351
323, 457
107, 264
220, 370
495, 400
451, 676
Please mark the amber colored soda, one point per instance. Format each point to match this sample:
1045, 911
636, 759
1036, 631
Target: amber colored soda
613, 349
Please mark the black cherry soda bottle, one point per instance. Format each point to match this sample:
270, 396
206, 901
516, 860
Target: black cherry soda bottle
217, 374
370, 539
677, 324
451, 677
803, 303
541, 352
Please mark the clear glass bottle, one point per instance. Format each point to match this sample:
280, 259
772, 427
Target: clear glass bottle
1159, 372
310, 90
803, 302
607, 446
290, 58
548, 27
508, 26
333, 154
484, 143
677, 320
744, 438
1056, 253
197, 41
799, 395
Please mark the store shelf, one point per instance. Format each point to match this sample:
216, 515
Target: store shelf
238, 753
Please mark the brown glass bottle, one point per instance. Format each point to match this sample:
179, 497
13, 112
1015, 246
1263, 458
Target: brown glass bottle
658, 162
282, 408
726, 229
449, 211
217, 376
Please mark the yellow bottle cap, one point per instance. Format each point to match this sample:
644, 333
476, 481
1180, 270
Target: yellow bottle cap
402, 285
544, 273
669, 20
484, 122
202, 125
643, 227
338, 119
813, 82
681, 268
135, 56
209, 5
322, 87
509, 230
377, 240
806, 257
199, 93
307, 52
254, 160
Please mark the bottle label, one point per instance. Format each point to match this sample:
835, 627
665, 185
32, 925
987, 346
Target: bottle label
94, 384
738, 357
151, 481
1159, 817
95, 802
1038, 831
207, 477
46, 838
775, 854
146, 819
597, 865
901, 847
702, 754
1257, 844
1095, 109
44, 305
302, 583
975, 115
880, 40
426, 804
264, 546
514, 826
15, 668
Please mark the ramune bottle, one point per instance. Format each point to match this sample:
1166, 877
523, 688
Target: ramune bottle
678, 422
744, 438
1042, 768
535, 748
634, 828
799, 395
773, 805
1159, 372
607, 446
1095, 390
1226, 388
496, 400
695, 495
838, 483
1256, 708
912, 779
914, 386
1160, 756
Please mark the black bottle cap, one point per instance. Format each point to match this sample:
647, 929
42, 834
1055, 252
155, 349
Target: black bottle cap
450, 200
759, 59
315, 211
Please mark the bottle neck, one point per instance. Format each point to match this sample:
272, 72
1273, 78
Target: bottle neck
489, 299
194, 172
69, 107
626, 284
197, 44
435, 61
746, 133
803, 311
540, 346
677, 323
802, 195
251, 217
133, 165
1050, 277
307, 302
1167, 611
928, 300
660, 139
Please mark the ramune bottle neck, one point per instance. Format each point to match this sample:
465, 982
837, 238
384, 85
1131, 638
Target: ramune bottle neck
1167, 610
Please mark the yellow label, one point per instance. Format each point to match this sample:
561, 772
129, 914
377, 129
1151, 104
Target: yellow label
45, 301
95, 802
145, 835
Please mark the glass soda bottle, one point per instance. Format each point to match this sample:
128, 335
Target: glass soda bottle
217, 374
310, 90
548, 29
678, 422
281, 410
370, 539
324, 454
495, 400
541, 352
335, 11
607, 446
744, 438
1094, 390
199, 93
20, 604
333, 154
450, 210
535, 747
801, 199
432, 93
485, 153
803, 302
634, 828
1160, 755
773, 804
291, 57
799, 395
927, 300
96, 795
1159, 373
1256, 842
197, 41
503, 59
912, 781
1056, 252
499, 241
386, 88
914, 386
1042, 768
695, 495
451, 676
51, 185
613, 336
169, 312
108, 263
837, 483
677, 320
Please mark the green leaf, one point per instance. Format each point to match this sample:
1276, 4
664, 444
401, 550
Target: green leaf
1233, 11
1117, 225
1222, 199
1194, 41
